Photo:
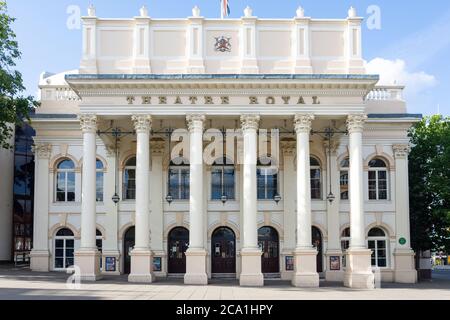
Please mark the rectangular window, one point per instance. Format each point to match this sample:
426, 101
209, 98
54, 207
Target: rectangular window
344, 185
228, 183
129, 186
315, 184
179, 183
267, 184
99, 186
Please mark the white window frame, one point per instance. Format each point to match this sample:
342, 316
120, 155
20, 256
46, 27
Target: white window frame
179, 169
123, 178
66, 172
64, 238
377, 190
376, 239
342, 170
318, 167
102, 171
220, 168
262, 169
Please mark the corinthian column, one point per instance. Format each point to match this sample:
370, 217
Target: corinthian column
141, 256
305, 254
87, 258
40, 256
251, 273
358, 273
405, 271
196, 254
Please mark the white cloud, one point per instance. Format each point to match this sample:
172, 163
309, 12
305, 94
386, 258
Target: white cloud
396, 72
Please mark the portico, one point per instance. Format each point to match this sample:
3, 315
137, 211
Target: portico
216, 172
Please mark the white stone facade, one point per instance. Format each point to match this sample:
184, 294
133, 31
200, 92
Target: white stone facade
145, 76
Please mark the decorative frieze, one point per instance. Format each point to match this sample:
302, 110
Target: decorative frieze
42, 150
355, 122
303, 122
250, 122
142, 123
88, 122
401, 151
157, 147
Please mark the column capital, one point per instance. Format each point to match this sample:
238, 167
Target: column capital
355, 122
401, 151
142, 123
195, 121
289, 147
250, 121
303, 122
42, 150
88, 122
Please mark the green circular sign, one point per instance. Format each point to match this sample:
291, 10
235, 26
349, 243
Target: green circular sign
402, 241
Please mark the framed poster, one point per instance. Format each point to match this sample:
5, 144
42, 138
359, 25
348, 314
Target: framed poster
335, 263
289, 263
110, 264
157, 264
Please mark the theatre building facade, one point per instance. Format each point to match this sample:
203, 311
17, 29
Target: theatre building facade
242, 148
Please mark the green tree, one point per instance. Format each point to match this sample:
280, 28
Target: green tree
429, 171
14, 106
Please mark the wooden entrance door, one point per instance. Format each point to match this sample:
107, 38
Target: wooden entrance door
178, 244
223, 251
269, 243
128, 245
317, 243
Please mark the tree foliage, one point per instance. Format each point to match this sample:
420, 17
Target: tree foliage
429, 171
14, 107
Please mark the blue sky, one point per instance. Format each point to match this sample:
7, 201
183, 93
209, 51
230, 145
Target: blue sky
412, 46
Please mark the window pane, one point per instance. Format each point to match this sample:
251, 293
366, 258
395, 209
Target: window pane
99, 186
229, 183
261, 181
174, 183
382, 175
185, 185
66, 164
59, 263
216, 186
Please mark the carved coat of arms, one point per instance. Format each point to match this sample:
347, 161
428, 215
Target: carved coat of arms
223, 44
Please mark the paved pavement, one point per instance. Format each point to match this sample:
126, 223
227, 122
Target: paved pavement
21, 284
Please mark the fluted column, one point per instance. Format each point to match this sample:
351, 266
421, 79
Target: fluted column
251, 274
305, 254
196, 254
405, 271
40, 256
358, 272
87, 258
141, 256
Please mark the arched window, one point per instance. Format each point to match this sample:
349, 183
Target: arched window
65, 181
377, 242
64, 249
378, 180
179, 179
344, 170
267, 179
222, 173
316, 177
99, 181
129, 180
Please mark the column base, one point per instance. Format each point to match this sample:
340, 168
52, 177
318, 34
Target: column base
358, 274
305, 266
88, 261
334, 275
405, 271
196, 267
251, 275
141, 266
40, 260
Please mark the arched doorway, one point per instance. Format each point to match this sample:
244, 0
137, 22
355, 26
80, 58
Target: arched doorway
318, 244
223, 251
128, 245
268, 240
178, 243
